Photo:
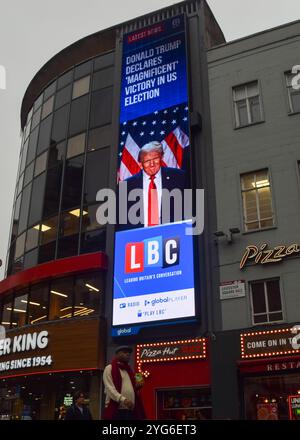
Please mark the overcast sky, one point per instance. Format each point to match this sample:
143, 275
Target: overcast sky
33, 31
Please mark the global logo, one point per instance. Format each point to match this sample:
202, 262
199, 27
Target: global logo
123, 331
151, 253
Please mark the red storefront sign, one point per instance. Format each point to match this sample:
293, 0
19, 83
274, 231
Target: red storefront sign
171, 365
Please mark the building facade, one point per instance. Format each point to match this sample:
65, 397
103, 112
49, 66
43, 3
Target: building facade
57, 300
255, 129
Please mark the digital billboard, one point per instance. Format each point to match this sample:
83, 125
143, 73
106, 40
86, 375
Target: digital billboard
153, 262
153, 275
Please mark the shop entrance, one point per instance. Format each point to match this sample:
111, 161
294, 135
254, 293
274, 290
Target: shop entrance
184, 404
47, 396
268, 397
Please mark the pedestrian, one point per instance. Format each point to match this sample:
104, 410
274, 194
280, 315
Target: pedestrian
123, 400
79, 410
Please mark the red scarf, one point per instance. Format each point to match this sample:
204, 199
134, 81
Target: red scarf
111, 410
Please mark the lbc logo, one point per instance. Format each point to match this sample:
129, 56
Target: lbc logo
152, 252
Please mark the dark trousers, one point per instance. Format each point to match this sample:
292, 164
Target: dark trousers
124, 414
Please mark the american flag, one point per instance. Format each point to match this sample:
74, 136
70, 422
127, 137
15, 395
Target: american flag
169, 126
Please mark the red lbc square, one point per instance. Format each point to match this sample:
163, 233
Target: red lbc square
134, 257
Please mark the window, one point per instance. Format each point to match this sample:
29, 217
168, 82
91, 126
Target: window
20, 244
36, 118
104, 61
49, 90
65, 79
40, 164
257, 200
28, 175
52, 191
101, 107
96, 176
6, 311
266, 302
83, 69
31, 258
78, 117
24, 209
247, 104
293, 94
76, 145
103, 78
63, 96
61, 299
99, 138
32, 237
32, 145
19, 311
56, 154
48, 230
44, 136
73, 183
47, 107
60, 122
38, 303
88, 295
36, 206
81, 87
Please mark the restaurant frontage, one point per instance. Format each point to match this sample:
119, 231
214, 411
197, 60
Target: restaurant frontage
177, 379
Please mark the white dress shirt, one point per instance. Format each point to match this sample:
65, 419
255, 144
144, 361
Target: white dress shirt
146, 183
127, 391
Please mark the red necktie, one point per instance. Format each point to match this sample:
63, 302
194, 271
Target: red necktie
152, 203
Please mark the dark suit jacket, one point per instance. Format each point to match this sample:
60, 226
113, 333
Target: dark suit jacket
74, 413
171, 178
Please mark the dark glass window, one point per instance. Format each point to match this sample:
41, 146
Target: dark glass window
15, 224
18, 265
69, 229
38, 102
24, 208
44, 136
31, 258
52, 191
65, 79
19, 312
101, 107
83, 69
68, 246
36, 207
6, 311
99, 138
28, 175
49, 90
32, 145
40, 163
266, 301
47, 252
63, 96
32, 237
103, 78
20, 184
78, 117
57, 153
38, 303
47, 107
104, 61
20, 245
89, 221
61, 299
36, 118
69, 224
88, 295
48, 230
76, 145
73, 183
93, 241
96, 176
60, 122
24, 155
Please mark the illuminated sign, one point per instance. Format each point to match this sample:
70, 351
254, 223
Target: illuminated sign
154, 108
268, 343
170, 351
153, 275
22, 343
294, 407
232, 289
261, 255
